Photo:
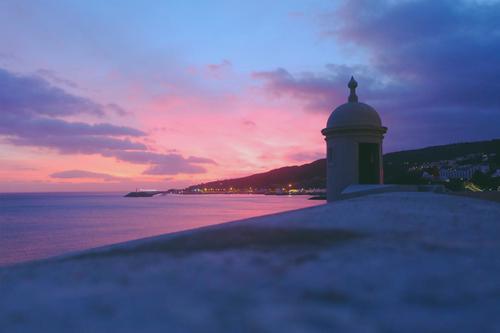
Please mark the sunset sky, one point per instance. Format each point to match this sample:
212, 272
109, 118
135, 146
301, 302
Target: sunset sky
113, 95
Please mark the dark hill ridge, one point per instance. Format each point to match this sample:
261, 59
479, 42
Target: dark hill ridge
398, 164
313, 175
443, 152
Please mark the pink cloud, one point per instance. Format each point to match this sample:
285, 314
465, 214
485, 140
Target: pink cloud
30, 115
83, 174
218, 70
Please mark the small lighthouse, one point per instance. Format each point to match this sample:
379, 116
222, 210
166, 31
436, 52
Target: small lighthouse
353, 135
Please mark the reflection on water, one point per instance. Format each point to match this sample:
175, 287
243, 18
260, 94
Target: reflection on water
39, 225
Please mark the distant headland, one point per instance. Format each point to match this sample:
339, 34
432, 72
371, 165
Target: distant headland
471, 166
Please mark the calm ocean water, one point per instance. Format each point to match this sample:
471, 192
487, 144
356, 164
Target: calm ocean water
39, 225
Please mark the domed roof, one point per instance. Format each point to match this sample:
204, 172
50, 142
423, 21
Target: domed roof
354, 113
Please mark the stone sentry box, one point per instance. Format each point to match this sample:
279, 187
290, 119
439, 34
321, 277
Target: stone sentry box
353, 135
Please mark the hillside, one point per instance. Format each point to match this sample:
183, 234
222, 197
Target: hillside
406, 167
443, 152
313, 175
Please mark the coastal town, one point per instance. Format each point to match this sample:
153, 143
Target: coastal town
274, 190
473, 172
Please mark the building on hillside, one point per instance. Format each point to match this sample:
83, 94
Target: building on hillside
465, 172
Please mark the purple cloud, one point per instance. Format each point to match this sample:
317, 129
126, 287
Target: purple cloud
29, 107
203, 160
33, 95
219, 67
36, 127
173, 168
444, 51
77, 144
163, 164
433, 70
304, 156
82, 174
117, 109
319, 91
54, 77
30, 111
249, 123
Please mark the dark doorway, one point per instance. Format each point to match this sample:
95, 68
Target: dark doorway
368, 163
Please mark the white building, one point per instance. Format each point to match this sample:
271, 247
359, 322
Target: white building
465, 172
496, 173
353, 136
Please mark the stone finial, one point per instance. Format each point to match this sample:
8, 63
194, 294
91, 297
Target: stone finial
352, 86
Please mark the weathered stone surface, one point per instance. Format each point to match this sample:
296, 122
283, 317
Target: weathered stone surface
391, 262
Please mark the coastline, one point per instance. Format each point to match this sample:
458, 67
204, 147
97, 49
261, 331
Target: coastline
39, 226
145, 240
383, 262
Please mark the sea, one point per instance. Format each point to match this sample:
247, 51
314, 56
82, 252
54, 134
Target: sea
40, 225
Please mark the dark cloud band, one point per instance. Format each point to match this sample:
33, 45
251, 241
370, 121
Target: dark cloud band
30, 115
